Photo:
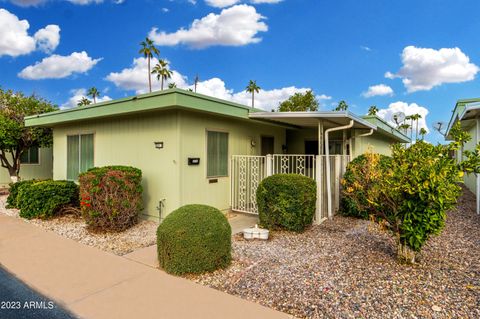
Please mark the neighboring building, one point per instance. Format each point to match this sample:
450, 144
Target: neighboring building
184, 143
36, 163
467, 112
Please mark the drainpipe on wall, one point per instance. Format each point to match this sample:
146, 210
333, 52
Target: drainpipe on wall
366, 134
327, 164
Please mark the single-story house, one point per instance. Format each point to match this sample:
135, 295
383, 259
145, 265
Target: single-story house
467, 112
194, 148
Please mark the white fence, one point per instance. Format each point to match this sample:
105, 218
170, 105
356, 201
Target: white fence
248, 171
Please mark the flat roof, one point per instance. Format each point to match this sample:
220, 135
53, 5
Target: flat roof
160, 100
331, 119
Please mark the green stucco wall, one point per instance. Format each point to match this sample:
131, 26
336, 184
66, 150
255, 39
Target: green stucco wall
166, 173
374, 143
43, 170
470, 179
130, 141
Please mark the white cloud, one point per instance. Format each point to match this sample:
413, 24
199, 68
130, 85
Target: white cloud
378, 90
365, 48
425, 68
58, 66
408, 109
48, 38
85, 2
77, 95
135, 78
35, 3
221, 3
227, 3
235, 26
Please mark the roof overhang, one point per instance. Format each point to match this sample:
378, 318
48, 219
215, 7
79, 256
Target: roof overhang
467, 117
311, 119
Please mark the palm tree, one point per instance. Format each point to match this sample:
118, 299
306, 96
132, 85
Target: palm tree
373, 110
84, 102
342, 106
197, 79
423, 131
94, 93
416, 117
252, 87
172, 85
149, 50
162, 71
404, 127
410, 117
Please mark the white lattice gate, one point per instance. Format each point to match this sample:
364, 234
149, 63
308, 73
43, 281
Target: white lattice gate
248, 171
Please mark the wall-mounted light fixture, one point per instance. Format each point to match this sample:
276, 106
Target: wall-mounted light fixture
158, 145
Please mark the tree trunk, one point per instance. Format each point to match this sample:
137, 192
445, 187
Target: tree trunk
416, 132
405, 254
253, 100
162, 83
149, 77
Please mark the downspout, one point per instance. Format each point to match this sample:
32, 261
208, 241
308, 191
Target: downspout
367, 134
327, 164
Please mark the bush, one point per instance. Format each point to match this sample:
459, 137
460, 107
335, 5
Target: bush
13, 192
411, 198
44, 199
194, 239
359, 173
111, 197
286, 201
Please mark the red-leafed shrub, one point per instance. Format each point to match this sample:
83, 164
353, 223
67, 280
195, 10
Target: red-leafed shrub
111, 197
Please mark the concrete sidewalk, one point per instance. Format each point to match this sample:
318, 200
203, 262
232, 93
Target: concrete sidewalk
95, 284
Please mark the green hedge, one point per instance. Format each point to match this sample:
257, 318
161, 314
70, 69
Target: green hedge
194, 239
12, 199
111, 197
287, 201
354, 174
44, 199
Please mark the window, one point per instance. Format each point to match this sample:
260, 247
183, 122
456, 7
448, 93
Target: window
79, 155
30, 156
217, 154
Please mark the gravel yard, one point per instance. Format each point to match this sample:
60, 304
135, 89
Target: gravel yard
141, 235
346, 268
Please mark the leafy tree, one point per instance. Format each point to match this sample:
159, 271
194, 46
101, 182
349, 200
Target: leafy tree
299, 102
162, 71
94, 93
149, 50
253, 88
84, 102
172, 85
411, 197
15, 138
373, 110
422, 132
342, 106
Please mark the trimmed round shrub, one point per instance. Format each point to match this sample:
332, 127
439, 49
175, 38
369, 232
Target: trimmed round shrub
111, 197
355, 175
286, 201
14, 190
44, 199
194, 239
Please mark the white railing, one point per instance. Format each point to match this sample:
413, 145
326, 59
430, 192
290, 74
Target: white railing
248, 171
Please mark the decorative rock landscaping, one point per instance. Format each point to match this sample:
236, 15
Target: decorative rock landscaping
347, 268
120, 243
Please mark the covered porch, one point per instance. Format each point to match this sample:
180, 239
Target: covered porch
318, 145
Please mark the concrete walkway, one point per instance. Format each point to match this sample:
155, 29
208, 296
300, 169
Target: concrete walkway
95, 284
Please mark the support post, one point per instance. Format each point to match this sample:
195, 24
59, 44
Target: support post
327, 165
269, 165
319, 175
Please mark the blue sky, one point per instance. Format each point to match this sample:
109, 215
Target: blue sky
338, 48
